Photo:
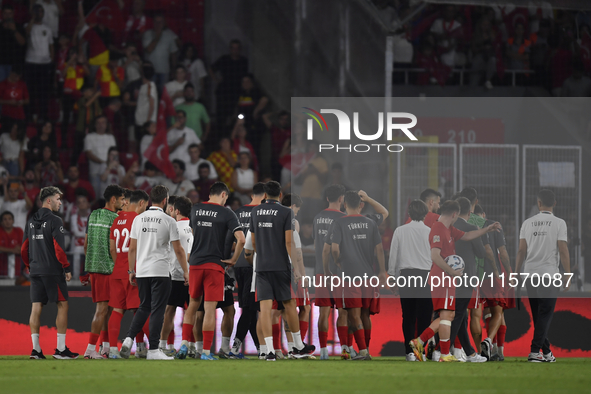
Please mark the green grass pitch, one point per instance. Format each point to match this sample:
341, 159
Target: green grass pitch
381, 375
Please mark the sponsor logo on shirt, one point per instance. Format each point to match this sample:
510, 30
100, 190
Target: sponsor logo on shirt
359, 236
149, 230
540, 233
38, 236
265, 224
204, 224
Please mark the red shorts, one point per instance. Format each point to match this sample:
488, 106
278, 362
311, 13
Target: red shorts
492, 293
509, 298
476, 300
354, 297
99, 287
303, 296
123, 295
444, 298
206, 282
322, 295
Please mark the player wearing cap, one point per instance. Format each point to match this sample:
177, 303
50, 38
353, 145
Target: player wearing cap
123, 296
43, 254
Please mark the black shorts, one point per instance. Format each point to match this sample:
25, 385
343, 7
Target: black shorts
51, 288
244, 281
273, 285
228, 300
179, 294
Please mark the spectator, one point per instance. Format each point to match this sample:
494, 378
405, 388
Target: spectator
244, 178
312, 178
137, 23
100, 42
280, 134
578, 84
13, 146
224, 161
537, 14
12, 42
31, 185
130, 97
235, 204
518, 49
147, 100
14, 95
11, 239
53, 9
483, 52
402, 47
112, 172
49, 171
197, 117
192, 167
448, 32
38, 59
250, 104
150, 178
149, 133
204, 182
193, 195
113, 114
160, 47
18, 207
78, 224
240, 144
88, 110
62, 56
132, 64
435, 71
232, 67
96, 147
196, 72
74, 73
109, 80
73, 182
179, 186
540, 51
176, 87
180, 137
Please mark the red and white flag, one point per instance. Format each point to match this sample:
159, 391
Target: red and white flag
108, 13
158, 152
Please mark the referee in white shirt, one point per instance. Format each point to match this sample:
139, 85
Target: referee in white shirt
410, 257
542, 240
153, 233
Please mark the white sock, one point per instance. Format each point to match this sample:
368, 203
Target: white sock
206, 352
290, 346
363, 352
61, 342
324, 349
297, 339
171, 346
199, 345
35, 338
162, 344
500, 350
226, 344
269, 343
142, 346
262, 349
113, 349
184, 342
106, 345
90, 347
192, 345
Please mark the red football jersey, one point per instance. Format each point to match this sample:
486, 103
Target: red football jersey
445, 239
429, 219
120, 232
12, 240
13, 91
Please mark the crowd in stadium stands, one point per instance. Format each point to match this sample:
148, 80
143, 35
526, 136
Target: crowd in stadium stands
546, 47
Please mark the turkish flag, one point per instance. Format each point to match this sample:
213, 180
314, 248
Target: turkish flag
108, 13
157, 151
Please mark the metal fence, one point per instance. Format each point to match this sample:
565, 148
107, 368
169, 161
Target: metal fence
493, 170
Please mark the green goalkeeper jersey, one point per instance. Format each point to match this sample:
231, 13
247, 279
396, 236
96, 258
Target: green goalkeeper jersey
478, 221
98, 254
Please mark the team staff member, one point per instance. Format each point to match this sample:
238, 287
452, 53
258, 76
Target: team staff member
99, 264
410, 256
153, 233
432, 198
542, 239
43, 254
210, 222
272, 240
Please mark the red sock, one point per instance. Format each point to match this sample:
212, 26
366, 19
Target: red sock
139, 338
104, 336
360, 339
427, 334
146, 328
457, 343
303, 329
444, 346
276, 336
171, 337
114, 327
486, 324
350, 337
323, 338
501, 335
187, 330
192, 337
207, 339
343, 332
494, 340
367, 334
93, 339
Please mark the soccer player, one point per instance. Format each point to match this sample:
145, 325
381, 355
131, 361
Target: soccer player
243, 272
433, 199
272, 240
323, 297
153, 233
43, 254
210, 222
99, 264
442, 240
355, 239
410, 257
179, 293
123, 296
542, 239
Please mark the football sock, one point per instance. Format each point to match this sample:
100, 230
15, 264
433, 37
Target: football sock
269, 344
350, 337
237, 345
297, 339
457, 343
276, 336
162, 344
207, 340
105, 340
35, 339
139, 338
171, 336
444, 346
487, 321
187, 330
367, 337
191, 337
263, 349
304, 329
61, 342
343, 332
92, 340
199, 346
290, 346
360, 339
426, 335
114, 327
225, 344
501, 336
323, 338
141, 346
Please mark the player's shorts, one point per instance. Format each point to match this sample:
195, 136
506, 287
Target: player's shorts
375, 304
353, 297
302, 296
493, 295
52, 288
444, 298
228, 300
123, 295
476, 301
322, 295
179, 294
509, 298
244, 282
206, 282
273, 285
100, 287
